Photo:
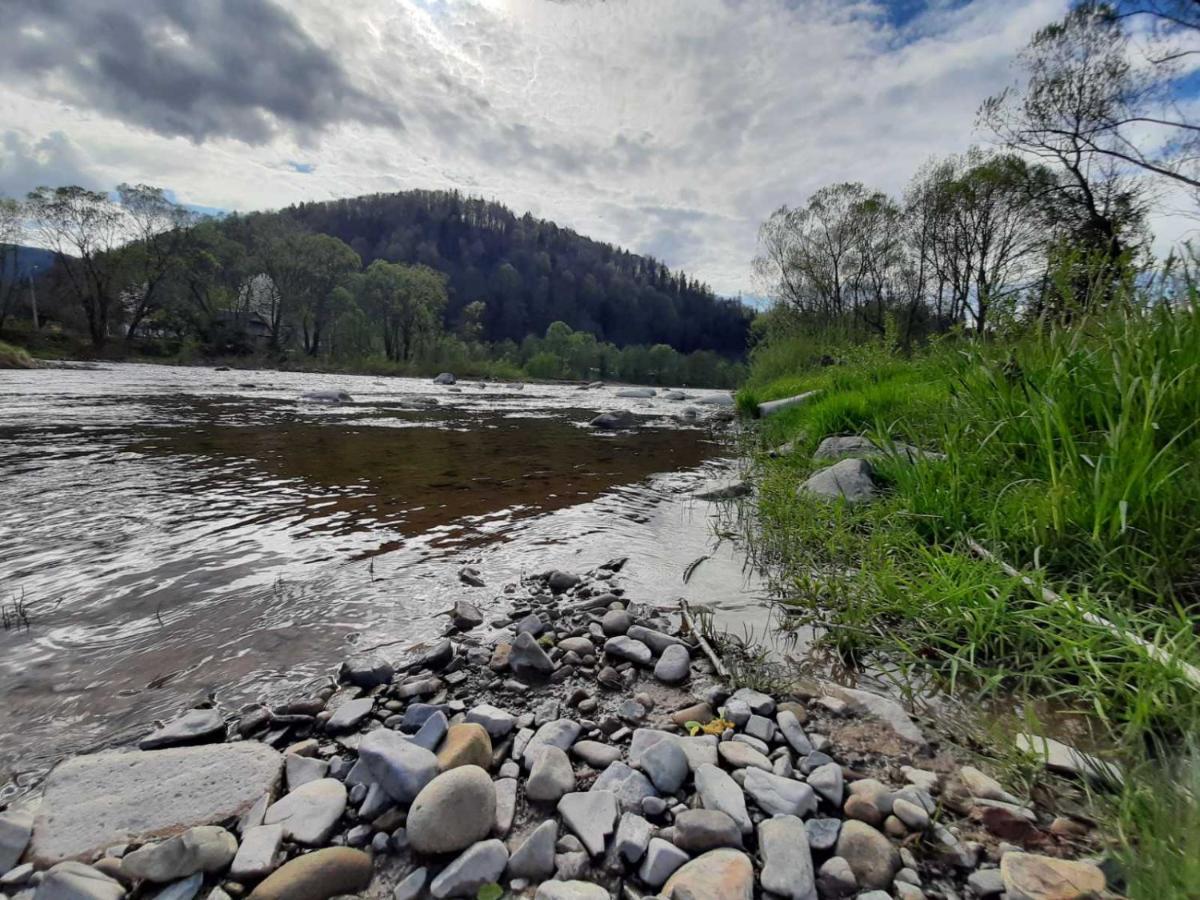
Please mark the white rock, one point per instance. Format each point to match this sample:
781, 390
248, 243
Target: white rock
256, 857
309, 813
787, 862
591, 815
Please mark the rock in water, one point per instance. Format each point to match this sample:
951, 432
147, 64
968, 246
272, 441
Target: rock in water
466, 744
591, 815
445, 378
1033, 877
309, 813
94, 802
465, 615
326, 397
849, 479
482, 864
196, 726
205, 848
615, 421
400, 766
16, 826
319, 875
717, 875
73, 880
871, 856
367, 671
453, 811
787, 863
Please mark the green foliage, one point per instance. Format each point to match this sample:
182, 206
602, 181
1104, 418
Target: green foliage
14, 357
491, 891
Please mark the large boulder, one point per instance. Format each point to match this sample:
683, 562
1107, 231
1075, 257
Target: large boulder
93, 802
453, 811
849, 480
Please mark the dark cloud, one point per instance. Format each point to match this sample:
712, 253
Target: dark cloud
194, 68
53, 160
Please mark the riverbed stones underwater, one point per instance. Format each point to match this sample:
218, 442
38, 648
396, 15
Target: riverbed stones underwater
587, 769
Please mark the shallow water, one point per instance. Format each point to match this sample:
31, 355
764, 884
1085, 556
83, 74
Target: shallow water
175, 532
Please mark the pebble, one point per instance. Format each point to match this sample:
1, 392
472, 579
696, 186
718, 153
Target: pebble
717, 875
560, 733
760, 727
718, 791
740, 755
309, 813
412, 886
579, 645
738, 712
466, 615
657, 641
985, 883
591, 815
570, 890
400, 766
506, 806
700, 830
835, 878
528, 659
827, 781
787, 863
626, 784
534, 858
910, 814
871, 855
660, 862
465, 744
196, 726
633, 835
551, 775
596, 754
16, 827
497, 721
674, 666
453, 811
330, 872
257, 853
615, 622
666, 764
823, 833
432, 730
923, 778
349, 714
367, 671
482, 863
72, 880
780, 796
760, 704
622, 647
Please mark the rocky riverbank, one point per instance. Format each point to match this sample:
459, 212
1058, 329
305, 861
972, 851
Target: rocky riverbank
581, 747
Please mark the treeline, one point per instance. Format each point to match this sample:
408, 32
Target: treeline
424, 278
1048, 224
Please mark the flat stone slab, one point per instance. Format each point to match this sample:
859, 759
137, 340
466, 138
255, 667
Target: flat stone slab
94, 802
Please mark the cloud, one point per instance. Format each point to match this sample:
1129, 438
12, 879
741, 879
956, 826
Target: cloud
671, 127
53, 160
219, 68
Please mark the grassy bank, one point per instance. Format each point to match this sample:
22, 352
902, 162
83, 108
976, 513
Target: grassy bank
14, 357
1070, 453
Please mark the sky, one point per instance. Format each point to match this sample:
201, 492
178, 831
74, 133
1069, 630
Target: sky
670, 127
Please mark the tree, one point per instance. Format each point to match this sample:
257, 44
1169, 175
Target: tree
12, 230
407, 302
82, 228
159, 232
321, 264
1080, 102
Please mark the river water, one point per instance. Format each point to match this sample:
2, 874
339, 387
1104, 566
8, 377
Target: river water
178, 532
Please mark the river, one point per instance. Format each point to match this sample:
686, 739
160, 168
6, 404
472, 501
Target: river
179, 532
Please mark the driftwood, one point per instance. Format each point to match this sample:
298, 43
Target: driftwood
704, 644
1190, 672
773, 406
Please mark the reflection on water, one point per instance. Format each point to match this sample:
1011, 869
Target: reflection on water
181, 531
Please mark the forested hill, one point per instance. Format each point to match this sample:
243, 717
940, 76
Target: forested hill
531, 272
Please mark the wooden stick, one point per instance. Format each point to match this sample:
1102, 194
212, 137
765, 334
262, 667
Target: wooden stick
1190, 672
704, 645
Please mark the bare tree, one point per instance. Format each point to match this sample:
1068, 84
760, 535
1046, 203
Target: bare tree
159, 231
82, 228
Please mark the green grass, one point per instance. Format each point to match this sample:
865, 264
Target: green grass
1071, 454
14, 357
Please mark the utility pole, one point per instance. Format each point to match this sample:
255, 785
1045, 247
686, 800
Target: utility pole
33, 298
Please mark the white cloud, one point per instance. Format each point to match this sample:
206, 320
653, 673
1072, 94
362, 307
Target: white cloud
671, 127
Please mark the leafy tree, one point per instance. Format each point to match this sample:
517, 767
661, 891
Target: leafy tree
407, 301
12, 229
82, 228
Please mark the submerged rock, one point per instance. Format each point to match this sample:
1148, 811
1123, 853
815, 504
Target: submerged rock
326, 397
445, 378
615, 421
